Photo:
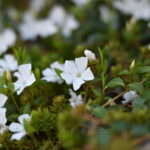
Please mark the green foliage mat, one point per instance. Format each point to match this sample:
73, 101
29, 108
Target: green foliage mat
102, 123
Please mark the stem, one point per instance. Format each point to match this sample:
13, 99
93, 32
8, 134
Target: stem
113, 99
15, 103
121, 94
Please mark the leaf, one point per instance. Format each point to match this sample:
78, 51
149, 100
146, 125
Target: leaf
115, 82
136, 86
139, 130
124, 72
143, 69
99, 112
96, 92
138, 103
26, 108
104, 136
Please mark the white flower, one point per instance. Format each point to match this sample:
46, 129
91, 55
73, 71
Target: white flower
63, 21
75, 99
90, 55
7, 39
108, 16
57, 15
3, 119
45, 28
25, 77
8, 63
50, 74
31, 28
76, 72
129, 96
18, 128
140, 9
57, 65
70, 24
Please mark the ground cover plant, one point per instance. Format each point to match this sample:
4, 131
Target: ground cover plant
75, 75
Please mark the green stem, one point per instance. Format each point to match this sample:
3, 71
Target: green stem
15, 103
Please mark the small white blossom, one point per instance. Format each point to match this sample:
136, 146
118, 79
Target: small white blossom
70, 24
63, 21
57, 15
129, 96
25, 78
76, 72
31, 28
45, 28
108, 16
8, 63
140, 9
50, 74
18, 128
3, 119
90, 55
75, 99
7, 39
57, 65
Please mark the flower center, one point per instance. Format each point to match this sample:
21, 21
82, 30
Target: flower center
78, 74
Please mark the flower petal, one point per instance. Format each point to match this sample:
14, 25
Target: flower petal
3, 99
23, 117
57, 65
81, 63
18, 136
70, 67
67, 77
31, 79
25, 68
87, 75
3, 118
77, 83
16, 127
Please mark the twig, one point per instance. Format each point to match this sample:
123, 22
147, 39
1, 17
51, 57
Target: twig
110, 101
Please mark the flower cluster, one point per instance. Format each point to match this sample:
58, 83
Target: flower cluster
63, 21
74, 72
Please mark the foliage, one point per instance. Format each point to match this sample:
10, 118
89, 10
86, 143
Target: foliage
103, 122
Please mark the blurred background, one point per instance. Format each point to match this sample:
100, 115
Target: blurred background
64, 28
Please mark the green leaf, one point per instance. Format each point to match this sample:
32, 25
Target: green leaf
139, 130
136, 86
124, 72
26, 108
96, 92
143, 69
99, 112
138, 103
104, 136
115, 82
